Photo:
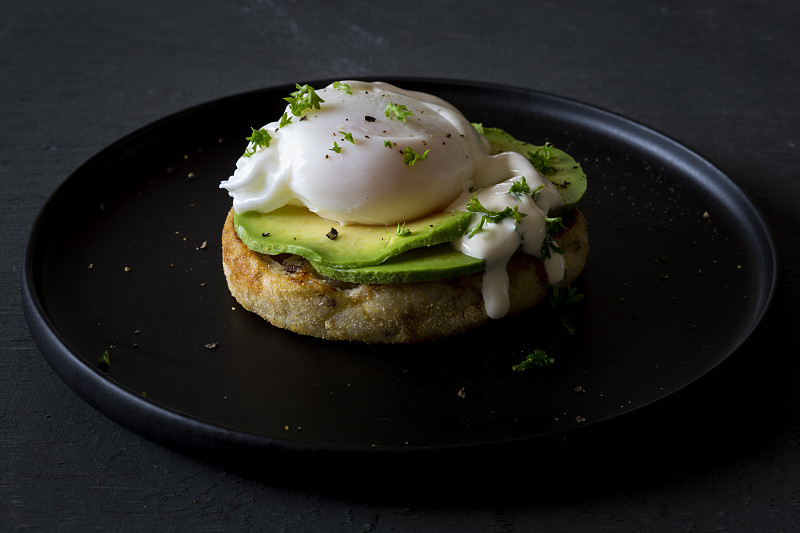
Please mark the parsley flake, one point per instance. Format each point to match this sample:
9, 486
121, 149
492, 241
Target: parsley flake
562, 299
305, 97
348, 137
399, 111
554, 225
475, 206
285, 119
336, 148
104, 361
402, 231
538, 358
410, 156
342, 87
259, 139
387, 144
519, 188
548, 247
542, 159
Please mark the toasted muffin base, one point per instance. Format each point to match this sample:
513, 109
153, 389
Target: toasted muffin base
287, 292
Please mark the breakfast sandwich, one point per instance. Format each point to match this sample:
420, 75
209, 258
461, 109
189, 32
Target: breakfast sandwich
371, 213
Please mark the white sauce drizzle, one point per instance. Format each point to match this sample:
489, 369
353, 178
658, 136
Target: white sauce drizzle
496, 243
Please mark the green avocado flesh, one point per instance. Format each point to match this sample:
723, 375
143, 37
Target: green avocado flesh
430, 263
377, 254
296, 230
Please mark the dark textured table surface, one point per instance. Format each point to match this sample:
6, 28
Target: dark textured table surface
720, 77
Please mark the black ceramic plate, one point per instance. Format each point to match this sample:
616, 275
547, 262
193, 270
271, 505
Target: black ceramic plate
125, 257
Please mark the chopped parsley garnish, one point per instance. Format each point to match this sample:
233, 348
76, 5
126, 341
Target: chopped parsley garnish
259, 139
348, 137
342, 86
410, 156
336, 148
542, 159
399, 111
548, 246
104, 361
402, 231
387, 144
519, 188
305, 97
537, 358
562, 299
285, 119
554, 225
475, 206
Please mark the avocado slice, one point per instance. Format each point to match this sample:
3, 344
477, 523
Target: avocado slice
559, 168
296, 230
430, 263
